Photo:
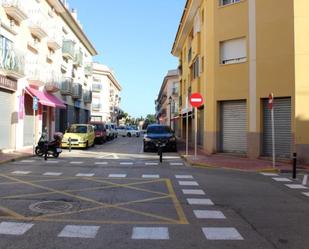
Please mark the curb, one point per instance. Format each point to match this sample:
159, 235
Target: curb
15, 159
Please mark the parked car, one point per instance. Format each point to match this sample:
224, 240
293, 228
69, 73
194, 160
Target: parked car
122, 131
159, 133
100, 131
82, 136
131, 131
114, 130
109, 132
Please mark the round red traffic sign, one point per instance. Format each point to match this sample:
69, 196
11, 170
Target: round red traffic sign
196, 100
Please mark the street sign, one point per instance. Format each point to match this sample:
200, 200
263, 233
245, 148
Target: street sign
270, 101
196, 100
35, 103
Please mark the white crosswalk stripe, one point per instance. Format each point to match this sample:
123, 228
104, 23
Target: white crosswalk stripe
188, 183
73, 231
184, 176
296, 186
75, 162
117, 175
150, 176
27, 161
208, 214
19, 172
52, 174
151, 233
193, 192
281, 179
150, 163
51, 162
269, 174
198, 201
176, 164
14, 228
221, 233
126, 163
306, 193
101, 163
85, 174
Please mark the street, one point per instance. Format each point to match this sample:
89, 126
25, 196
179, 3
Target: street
116, 196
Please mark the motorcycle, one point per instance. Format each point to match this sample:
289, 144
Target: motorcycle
52, 148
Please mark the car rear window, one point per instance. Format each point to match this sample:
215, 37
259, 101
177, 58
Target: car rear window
78, 129
98, 127
158, 129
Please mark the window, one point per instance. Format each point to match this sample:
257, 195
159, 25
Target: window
195, 68
189, 54
233, 51
226, 2
197, 24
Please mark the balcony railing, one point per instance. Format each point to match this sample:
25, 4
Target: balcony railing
78, 58
37, 24
68, 49
96, 106
66, 86
88, 69
12, 63
52, 82
77, 91
87, 95
54, 40
15, 9
96, 87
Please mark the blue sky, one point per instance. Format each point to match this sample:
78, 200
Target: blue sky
133, 37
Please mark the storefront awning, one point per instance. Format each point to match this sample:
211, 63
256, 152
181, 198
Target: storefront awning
46, 98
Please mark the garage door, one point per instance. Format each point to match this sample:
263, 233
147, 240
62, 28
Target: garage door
283, 136
233, 126
6, 107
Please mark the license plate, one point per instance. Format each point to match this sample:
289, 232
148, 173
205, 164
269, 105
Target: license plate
58, 150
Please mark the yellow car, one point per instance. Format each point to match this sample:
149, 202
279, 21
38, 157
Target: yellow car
81, 136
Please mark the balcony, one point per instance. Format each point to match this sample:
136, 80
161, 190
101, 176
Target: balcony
12, 63
37, 25
66, 86
88, 69
52, 82
33, 45
87, 95
77, 91
54, 41
15, 9
96, 106
78, 58
36, 75
96, 87
68, 49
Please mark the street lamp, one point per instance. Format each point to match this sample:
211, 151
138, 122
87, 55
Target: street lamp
170, 103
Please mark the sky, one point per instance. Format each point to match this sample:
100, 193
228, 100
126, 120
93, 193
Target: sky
134, 38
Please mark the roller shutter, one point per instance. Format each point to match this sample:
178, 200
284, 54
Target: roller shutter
283, 134
233, 127
6, 108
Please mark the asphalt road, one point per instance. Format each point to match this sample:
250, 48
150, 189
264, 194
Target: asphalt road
116, 196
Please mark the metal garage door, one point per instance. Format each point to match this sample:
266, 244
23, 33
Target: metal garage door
28, 121
6, 107
233, 126
283, 136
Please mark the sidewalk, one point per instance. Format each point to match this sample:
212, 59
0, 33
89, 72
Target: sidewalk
15, 155
235, 162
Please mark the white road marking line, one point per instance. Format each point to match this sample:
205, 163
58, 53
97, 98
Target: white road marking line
175, 164
115, 156
153, 233
208, 214
100, 157
126, 163
14, 228
188, 183
151, 163
221, 233
184, 176
27, 161
306, 193
101, 163
52, 174
296, 186
269, 174
150, 176
117, 175
19, 172
193, 192
281, 179
73, 231
85, 174
52, 162
74, 162
198, 201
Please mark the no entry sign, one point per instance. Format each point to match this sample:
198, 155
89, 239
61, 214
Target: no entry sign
196, 100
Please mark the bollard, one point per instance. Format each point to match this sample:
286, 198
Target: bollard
45, 150
294, 165
70, 144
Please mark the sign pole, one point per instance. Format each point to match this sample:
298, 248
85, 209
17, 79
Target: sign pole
187, 128
271, 106
35, 108
195, 135
33, 146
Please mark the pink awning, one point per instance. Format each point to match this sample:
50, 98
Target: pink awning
46, 98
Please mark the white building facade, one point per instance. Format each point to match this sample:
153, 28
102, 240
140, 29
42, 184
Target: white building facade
45, 59
106, 94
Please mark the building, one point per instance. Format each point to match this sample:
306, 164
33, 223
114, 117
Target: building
235, 53
167, 101
44, 67
106, 95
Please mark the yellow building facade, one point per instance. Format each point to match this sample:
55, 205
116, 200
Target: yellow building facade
235, 53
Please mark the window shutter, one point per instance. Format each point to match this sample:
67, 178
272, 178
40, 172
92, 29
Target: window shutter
233, 50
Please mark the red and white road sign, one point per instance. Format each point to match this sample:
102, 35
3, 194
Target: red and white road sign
196, 100
270, 101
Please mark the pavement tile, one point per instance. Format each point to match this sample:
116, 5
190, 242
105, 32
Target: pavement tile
74, 231
14, 228
152, 233
221, 233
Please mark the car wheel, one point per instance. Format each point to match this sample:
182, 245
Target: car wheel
129, 134
87, 146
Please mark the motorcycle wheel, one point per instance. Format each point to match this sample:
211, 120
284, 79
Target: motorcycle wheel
56, 154
38, 151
